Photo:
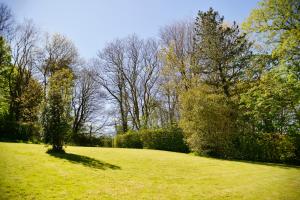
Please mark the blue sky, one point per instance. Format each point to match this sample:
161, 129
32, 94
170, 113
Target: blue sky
92, 23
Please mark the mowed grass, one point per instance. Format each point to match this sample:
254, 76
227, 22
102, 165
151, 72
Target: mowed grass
28, 172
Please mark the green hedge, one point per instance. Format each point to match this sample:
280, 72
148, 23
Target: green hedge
129, 140
84, 139
269, 147
169, 139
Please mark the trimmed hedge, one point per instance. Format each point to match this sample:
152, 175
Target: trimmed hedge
170, 139
128, 140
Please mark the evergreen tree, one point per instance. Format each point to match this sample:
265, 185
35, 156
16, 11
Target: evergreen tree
57, 124
208, 111
222, 52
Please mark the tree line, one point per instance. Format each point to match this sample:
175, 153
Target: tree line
207, 85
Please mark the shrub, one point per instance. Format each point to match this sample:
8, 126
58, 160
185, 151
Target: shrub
130, 139
207, 119
19, 131
29, 132
296, 142
270, 147
169, 139
85, 139
106, 141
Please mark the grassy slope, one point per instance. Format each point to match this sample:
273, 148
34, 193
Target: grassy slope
27, 172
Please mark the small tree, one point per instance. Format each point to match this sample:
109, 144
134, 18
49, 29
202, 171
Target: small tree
57, 124
206, 121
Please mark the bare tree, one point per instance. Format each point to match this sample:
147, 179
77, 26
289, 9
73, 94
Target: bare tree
141, 73
181, 35
86, 100
110, 67
6, 21
58, 52
129, 72
176, 75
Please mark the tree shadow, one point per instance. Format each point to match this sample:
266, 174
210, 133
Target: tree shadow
84, 160
278, 165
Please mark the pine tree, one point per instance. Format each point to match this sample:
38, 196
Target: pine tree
222, 52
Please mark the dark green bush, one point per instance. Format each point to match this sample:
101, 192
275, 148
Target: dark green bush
296, 142
106, 141
29, 132
19, 131
130, 139
84, 139
269, 147
169, 139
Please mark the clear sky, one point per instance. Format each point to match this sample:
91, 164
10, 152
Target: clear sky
92, 23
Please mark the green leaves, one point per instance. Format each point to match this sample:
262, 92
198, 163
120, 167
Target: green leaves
207, 120
57, 124
273, 16
279, 22
5, 68
274, 102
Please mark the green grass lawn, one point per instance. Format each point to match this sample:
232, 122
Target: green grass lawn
28, 172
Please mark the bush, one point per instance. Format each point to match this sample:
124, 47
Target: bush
106, 141
130, 139
170, 139
14, 131
84, 139
270, 147
296, 142
29, 132
208, 121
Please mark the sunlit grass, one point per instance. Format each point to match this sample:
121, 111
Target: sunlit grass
28, 172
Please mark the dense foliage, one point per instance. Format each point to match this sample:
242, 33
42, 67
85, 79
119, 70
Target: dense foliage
169, 139
244, 106
130, 139
88, 139
207, 121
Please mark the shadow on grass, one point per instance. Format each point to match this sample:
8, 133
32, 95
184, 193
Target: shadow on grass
84, 160
278, 165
